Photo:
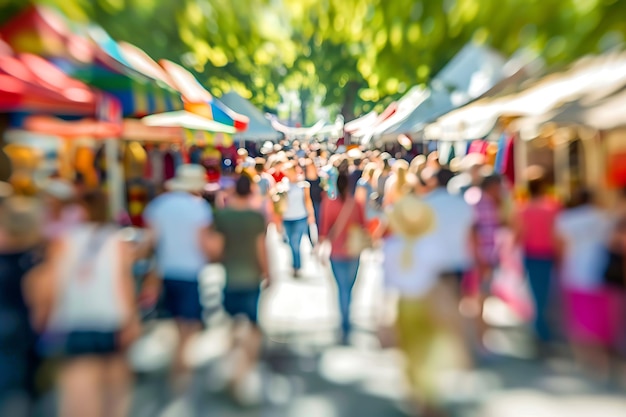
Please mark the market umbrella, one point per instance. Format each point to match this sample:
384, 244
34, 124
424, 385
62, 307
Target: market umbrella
198, 130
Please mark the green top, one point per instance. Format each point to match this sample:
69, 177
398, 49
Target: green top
240, 229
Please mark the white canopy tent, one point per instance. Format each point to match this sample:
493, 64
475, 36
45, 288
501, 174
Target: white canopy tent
437, 103
597, 76
186, 120
473, 71
361, 122
406, 105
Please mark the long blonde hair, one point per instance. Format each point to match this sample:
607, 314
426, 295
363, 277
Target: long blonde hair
402, 174
369, 172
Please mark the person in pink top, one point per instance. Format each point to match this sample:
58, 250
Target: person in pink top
337, 217
535, 232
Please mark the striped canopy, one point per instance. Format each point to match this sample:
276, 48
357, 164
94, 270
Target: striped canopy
199, 101
30, 84
92, 57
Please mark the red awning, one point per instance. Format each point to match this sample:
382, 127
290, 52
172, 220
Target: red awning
29, 83
89, 128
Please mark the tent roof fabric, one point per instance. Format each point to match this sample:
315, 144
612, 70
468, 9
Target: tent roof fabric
91, 56
31, 84
187, 120
199, 100
363, 121
260, 128
599, 75
436, 104
474, 70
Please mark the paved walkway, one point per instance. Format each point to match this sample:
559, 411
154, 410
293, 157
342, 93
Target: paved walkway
306, 375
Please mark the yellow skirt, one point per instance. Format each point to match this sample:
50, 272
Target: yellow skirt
430, 339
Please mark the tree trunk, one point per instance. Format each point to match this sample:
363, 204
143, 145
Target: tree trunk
305, 97
349, 102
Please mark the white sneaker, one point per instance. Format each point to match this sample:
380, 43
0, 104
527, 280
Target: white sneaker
249, 392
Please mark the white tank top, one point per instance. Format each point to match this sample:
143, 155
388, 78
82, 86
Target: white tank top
296, 209
88, 282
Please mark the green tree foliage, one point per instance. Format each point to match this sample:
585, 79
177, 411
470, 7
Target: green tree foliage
356, 54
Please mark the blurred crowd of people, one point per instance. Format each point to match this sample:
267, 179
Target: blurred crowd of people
68, 274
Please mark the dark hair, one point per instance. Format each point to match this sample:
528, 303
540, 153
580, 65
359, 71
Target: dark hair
444, 176
243, 186
491, 180
580, 197
259, 165
357, 162
343, 166
96, 204
536, 187
343, 185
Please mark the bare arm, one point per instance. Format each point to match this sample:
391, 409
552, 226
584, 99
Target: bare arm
211, 242
361, 195
40, 287
262, 258
132, 328
308, 203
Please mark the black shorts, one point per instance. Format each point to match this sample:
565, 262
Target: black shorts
181, 299
242, 302
80, 343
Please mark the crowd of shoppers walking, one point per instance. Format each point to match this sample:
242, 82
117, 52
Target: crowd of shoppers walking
68, 284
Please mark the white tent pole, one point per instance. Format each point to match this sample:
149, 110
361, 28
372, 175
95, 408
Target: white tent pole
562, 165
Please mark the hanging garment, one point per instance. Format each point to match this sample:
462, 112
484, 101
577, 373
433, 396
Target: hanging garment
478, 146
502, 145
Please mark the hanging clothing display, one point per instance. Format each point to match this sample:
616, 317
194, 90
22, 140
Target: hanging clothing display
491, 153
478, 146
169, 166
157, 164
508, 162
502, 145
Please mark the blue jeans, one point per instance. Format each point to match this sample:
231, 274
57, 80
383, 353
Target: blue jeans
317, 207
540, 279
295, 230
345, 272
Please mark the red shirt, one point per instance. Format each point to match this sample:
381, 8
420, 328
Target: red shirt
330, 211
538, 218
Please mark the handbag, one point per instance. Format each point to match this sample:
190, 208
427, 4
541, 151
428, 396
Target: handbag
358, 239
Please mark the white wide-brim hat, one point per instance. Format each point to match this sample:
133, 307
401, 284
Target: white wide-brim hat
189, 178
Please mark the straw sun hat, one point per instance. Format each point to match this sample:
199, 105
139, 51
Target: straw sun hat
189, 178
411, 218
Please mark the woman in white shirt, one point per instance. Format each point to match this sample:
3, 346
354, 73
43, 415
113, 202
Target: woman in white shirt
83, 300
298, 214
